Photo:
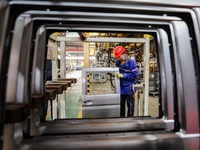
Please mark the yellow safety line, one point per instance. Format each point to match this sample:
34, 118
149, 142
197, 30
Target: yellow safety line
71, 86
59, 101
48, 114
80, 112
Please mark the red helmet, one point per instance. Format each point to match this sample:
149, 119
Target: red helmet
118, 51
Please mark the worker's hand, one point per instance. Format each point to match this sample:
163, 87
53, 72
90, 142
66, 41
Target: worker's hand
119, 75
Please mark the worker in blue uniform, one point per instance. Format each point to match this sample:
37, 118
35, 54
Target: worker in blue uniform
128, 73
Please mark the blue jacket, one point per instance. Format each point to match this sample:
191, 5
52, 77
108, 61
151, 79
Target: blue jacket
130, 72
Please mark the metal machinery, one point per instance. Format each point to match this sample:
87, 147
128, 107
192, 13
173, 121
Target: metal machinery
37, 88
183, 102
99, 105
49, 129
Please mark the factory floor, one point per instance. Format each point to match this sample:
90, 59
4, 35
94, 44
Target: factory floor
73, 98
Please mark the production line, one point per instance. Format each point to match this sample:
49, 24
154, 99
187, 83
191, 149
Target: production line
174, 76
39, 64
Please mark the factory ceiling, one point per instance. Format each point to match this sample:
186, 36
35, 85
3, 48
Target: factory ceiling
84, 35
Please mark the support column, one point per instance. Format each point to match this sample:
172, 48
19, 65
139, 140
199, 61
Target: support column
54, 58
55, 77
86, 55
146, 77
55, 62
62, 75
107, 45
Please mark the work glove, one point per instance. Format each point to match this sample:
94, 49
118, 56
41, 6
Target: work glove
119, 75
113, 74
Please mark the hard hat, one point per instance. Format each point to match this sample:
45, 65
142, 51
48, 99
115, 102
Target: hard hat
118, 51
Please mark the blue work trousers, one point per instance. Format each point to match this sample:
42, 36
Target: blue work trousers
130, 105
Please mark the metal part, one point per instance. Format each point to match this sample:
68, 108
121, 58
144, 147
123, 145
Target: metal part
41, 51
189, 101
178, 3
105, 126
105, 105
182, 81
128, 141
164, 18
91, 28
40, 64
119, 30
4, 9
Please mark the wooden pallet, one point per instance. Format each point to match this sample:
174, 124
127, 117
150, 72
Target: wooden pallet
154, 94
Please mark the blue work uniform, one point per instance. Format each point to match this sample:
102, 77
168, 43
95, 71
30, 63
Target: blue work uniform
130, 72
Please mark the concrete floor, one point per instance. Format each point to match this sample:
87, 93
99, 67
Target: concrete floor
73, 98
